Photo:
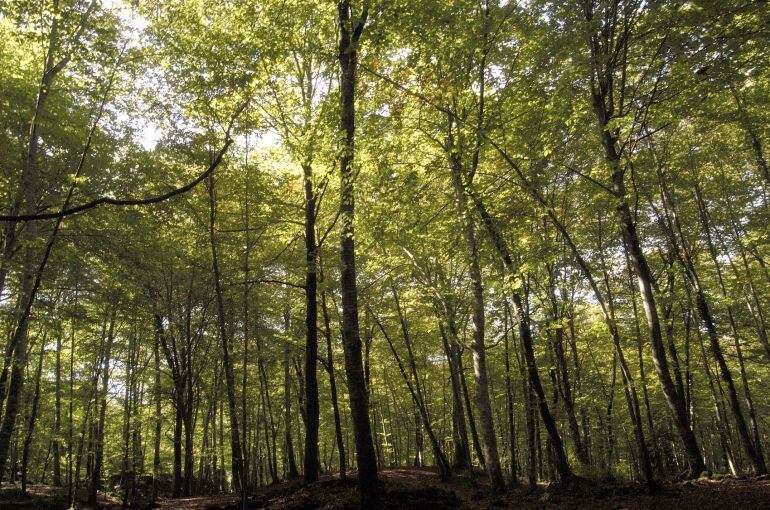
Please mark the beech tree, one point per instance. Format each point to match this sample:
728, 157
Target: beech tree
553, 261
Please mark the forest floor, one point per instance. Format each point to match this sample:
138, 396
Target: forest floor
420, 489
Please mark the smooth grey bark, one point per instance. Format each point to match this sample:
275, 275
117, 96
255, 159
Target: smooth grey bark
481, 396
525, 337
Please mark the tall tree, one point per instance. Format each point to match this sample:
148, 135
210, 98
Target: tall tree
351, 26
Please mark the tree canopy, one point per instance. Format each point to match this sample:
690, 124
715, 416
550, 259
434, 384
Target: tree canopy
250, 241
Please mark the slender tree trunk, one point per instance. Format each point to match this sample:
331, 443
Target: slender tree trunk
462, 449
32, 419
27, 201
509, 397
721, 424
468, 407
756, 309
561, 365
602, 72
92, 400
311, 331
20, 341
333, 388
137, 457
235, 443
644, 278
178, 484
96, 474
525, 336
445, 471
126, 477
268, 421
351, 28
481, 397
289, 462
178, 381
674, 230
71, 422
189, 425
246, 287
531, 417
56, 443
753, 136
607, 312
158, 416
413, 386
705, 224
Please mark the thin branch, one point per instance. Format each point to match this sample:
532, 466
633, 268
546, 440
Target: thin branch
141, 201
270, 280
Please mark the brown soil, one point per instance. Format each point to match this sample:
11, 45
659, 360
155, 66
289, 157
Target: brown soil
420, 489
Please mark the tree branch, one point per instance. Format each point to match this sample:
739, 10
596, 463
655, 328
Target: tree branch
137, 201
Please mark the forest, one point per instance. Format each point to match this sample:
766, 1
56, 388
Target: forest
300, 254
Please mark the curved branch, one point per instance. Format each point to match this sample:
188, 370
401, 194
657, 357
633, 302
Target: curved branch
137, 201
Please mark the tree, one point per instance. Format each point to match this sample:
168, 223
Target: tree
351, 27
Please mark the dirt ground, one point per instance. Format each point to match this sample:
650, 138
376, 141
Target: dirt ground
420, 489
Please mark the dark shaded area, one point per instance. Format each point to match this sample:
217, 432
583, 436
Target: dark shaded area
420, 489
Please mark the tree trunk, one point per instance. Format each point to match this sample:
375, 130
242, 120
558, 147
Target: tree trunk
469, 408
413, 386
525, 336
602, 73
56, 443
753, 136
32, 419
481, 397
311, 332
235, 443
27, 201
126, 477
350, 32
96, 474
289, 462
509, 397
705, 224
178, 399
644, 278
564, 379
673, 228
460, 432
333, 389
158, 415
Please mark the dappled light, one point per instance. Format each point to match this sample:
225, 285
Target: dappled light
384, 254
